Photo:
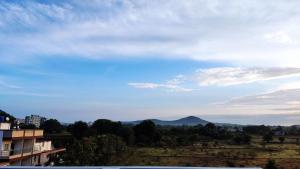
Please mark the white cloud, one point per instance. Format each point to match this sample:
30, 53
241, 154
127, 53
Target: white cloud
173, 85
290, 85
145, 85
279, 37
283, 103
284, 98
225, 76
216, 30
168, 87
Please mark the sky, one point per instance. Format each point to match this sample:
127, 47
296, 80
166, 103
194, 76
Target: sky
234, 61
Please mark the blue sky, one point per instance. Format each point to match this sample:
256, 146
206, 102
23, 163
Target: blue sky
127, 60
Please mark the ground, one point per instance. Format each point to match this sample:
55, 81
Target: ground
257, 154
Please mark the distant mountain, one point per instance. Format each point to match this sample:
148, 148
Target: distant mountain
187, 121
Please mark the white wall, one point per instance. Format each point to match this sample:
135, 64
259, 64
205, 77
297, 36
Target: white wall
43, 146
4, 126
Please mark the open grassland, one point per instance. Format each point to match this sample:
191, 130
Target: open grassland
286, 155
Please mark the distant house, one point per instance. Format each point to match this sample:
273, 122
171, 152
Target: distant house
35, 120
24, 147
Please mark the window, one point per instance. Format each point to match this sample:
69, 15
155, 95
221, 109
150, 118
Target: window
6, 146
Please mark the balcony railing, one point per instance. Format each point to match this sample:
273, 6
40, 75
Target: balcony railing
23, 133
37, 148
17, 133
4, 153
38, 132
29, 133
7, 153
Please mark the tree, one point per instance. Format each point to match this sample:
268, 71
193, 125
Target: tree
209, 129
271, 165
192, 139
268, 137
79, 129
167, 141
108, 148
127, 134
242, 139
52, 126
247, 139
103, 126
260, 130
281, 139
94, 151
146, 133
80, 152
27, 126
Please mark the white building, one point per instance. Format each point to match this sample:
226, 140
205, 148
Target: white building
24, 147
35, 120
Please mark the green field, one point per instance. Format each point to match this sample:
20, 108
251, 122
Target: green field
286, 155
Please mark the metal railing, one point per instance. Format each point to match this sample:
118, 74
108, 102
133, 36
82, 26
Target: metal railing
37, 148
34, 149
6, 153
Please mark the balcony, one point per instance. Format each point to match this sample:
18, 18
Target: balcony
28, 133
11, 153
16, 133
38, 132
4, 153
37, 148
42, 146
22, 133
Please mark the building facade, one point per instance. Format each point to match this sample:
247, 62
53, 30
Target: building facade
24, 147
35, 120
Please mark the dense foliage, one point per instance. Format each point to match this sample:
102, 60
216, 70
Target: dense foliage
105, 142
102, 142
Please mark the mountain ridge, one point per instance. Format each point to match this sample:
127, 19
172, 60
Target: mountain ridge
185, 121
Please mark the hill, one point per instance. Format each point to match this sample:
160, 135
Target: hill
187, 121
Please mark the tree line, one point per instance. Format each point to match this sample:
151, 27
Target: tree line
102, 142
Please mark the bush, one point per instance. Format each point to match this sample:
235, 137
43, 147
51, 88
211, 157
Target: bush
271, 165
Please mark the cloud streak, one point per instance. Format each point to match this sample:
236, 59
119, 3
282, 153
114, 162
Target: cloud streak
10, 86
248, 33
226, 76
288, 97
173, 85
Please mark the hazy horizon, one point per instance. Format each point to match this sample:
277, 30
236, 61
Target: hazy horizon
233, 62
